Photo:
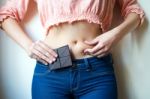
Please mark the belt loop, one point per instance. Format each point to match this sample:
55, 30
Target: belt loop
87, 64
73, 65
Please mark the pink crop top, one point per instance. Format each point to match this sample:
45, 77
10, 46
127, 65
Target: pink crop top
54, 12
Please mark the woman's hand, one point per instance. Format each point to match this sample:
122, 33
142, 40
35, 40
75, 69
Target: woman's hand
42, 52
102, 44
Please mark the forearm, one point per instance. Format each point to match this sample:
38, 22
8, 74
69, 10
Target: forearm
129, 24
14, 30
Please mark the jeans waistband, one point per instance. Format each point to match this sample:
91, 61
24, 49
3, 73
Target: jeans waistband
92, 59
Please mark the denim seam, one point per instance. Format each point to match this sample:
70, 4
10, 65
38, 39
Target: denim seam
78, 81
42, 74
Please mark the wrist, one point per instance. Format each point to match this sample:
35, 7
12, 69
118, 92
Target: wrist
115, 34
120, 31
28, 45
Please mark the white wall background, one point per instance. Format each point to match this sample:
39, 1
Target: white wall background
131, 57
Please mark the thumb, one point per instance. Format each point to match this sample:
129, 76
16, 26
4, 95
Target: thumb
93, 42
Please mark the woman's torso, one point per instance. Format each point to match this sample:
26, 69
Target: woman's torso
74, 35
63, 22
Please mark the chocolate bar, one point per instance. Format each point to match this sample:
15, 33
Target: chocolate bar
63, 60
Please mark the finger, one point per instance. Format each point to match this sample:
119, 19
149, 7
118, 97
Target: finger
44, 52
38, 59
46, 47
93, 42
41, 60
94, 49
102, 50
40, 55
102, 55
48, 52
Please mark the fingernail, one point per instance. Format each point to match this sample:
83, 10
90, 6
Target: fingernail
56, 55
53, 59
50, 61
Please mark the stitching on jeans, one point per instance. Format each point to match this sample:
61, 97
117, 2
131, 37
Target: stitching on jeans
78, 81
43, 73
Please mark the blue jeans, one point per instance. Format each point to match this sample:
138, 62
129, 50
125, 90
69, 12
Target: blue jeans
88, 78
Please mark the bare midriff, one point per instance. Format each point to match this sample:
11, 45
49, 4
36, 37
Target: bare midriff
74, 35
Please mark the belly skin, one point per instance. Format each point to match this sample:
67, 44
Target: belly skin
74, 35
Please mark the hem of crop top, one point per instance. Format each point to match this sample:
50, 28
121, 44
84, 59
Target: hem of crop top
91, 18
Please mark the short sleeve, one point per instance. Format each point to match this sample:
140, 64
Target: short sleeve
128, 6
15, 9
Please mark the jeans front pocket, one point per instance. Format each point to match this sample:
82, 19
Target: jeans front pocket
41, 69
102, 66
